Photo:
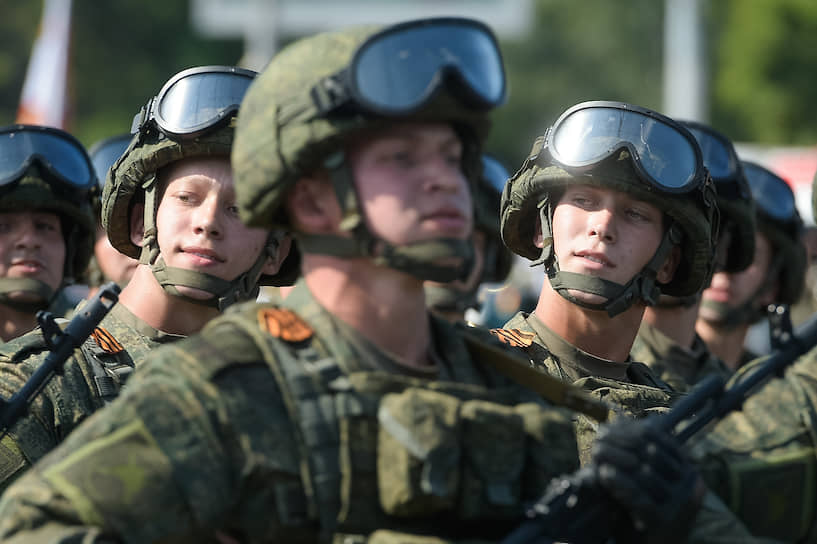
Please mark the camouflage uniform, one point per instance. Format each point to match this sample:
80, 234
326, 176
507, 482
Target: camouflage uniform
279, 428
91, 377
679, 367
630, 388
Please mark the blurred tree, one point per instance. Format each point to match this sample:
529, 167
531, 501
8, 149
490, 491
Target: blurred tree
765, 56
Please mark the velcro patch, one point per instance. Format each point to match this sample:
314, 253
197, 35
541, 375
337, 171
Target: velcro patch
106, 341
284, 324
514, 337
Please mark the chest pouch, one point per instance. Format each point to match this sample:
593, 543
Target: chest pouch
446, 451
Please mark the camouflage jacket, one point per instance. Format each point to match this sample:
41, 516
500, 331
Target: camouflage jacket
681, 368
283, 424
632, 390
90, 377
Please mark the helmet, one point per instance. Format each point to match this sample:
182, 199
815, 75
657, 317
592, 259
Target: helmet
735, 202
630, 149
47, 169
779, 220
166, 132
320, 91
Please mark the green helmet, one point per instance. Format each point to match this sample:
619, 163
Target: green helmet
735, 202
618, 164
55, 175
132, 179
301, 110
779, 220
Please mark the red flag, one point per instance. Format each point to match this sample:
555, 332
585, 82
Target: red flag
45, 89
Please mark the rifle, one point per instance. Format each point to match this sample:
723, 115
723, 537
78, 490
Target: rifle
61, 344
707, 402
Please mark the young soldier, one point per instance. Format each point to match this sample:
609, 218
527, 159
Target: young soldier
616, 204
47, 193
492, 260
350, 414
169, 202
667, 341
734, 301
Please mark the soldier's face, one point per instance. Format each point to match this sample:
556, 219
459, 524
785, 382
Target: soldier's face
115, 266
32, 246
606, 233
737, 288
410, 183
198, 225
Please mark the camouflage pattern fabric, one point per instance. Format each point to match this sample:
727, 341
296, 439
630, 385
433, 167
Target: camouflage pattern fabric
681, 368
633, 391
208, 436
761, 460
67, 399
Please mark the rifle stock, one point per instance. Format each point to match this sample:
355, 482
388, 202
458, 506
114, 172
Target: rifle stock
61, 344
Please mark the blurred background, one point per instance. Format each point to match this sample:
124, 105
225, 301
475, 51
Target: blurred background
746, 67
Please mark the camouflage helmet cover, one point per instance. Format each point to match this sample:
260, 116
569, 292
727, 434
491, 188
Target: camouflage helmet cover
280, 135
696, 214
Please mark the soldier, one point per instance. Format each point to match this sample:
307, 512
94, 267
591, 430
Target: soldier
108, 263
47, 193
349, 414
492, 260
734, 301
667, 341
617, 205
169, 202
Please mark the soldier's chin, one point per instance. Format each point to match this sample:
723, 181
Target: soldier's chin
587, 298
192, 292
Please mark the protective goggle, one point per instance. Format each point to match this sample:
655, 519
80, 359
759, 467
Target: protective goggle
721, 160
398, 70
61, 156
493, 172
105, 152
663, 151
772, 194
195, 101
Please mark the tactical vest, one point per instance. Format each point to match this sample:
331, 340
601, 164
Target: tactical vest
387, 458
110, 363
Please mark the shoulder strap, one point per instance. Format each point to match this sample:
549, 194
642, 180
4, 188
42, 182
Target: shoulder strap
110, 363
484, 348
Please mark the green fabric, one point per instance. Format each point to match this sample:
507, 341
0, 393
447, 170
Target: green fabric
633, 391
202, 439
680, 367
68, 398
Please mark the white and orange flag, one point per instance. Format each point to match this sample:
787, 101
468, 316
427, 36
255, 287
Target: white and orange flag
44, 98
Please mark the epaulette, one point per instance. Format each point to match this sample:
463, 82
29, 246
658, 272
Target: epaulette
514, 337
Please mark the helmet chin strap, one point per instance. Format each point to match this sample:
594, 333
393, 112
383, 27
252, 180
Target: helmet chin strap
225, 292
730, 318
441, 259
619, 298
42, 290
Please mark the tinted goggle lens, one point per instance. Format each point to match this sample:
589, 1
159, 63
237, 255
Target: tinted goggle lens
772, 195
494, 173
718, 156
398, 70
104, 155
664, 153
63, 157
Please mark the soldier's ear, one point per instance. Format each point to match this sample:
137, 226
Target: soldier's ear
137, 224
312, 205
667, 270
274, 262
